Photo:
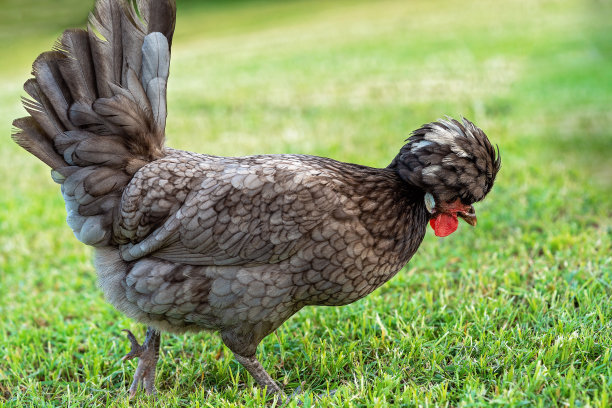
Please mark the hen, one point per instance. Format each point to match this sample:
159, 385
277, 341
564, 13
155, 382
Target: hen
190, 242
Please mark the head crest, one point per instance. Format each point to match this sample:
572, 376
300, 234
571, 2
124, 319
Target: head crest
449, 159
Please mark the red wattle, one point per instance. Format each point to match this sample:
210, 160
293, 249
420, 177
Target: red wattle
444, 224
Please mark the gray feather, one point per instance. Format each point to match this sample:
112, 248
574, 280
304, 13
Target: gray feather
77, 69
41, 110
105, 181
94, 119
156, 91
160, 16
82, 115
124, 113
106, 51
93, 231
75, 179
100, 205
132, 36
32, 138
52, 84
69, 139
155, 58
108, 151
137, 91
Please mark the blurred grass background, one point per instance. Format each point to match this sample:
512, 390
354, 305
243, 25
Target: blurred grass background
513, 313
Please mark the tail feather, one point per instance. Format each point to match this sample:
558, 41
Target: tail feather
84, 149
91, 215
132, 36
156, 91
98, 108
49, 78
99, 205
155, 67
33, 139
59, 174
104, 181
123, 112
106, 46
83, 116
77, 66
160, 16
40, 108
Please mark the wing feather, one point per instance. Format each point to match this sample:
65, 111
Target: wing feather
240, 226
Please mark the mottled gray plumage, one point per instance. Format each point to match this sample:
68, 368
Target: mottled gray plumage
189, 242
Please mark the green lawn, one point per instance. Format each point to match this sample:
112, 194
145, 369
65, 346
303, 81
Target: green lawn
516, 312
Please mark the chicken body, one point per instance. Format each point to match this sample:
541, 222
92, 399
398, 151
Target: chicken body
237, 245
241, 244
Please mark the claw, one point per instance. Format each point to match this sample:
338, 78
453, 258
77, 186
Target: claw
131, 337
136, 349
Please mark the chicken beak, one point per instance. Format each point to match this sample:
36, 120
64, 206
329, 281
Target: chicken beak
468, 216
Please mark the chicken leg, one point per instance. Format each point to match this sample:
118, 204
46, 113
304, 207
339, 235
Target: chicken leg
259, 373
262, 377
148, 354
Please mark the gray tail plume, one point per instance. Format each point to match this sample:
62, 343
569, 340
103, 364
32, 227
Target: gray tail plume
98, 108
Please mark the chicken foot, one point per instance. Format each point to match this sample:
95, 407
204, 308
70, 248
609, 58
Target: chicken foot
148, 354
254, 367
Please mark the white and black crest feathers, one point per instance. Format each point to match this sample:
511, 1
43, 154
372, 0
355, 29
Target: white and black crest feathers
449, 159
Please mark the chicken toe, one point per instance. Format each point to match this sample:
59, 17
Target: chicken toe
148, 354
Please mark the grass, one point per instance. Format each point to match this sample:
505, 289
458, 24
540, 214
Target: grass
515, 312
